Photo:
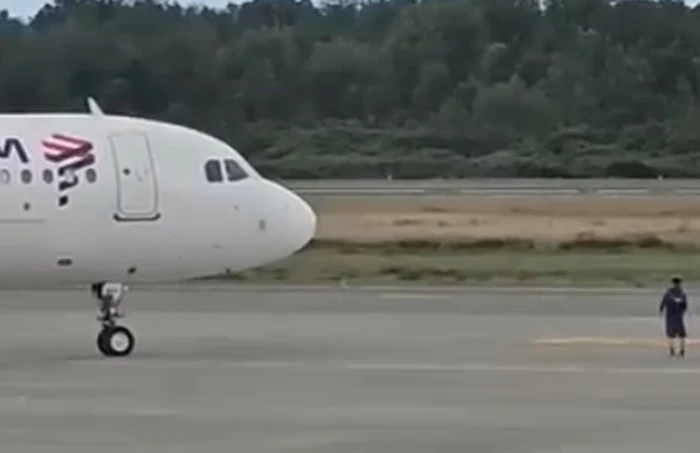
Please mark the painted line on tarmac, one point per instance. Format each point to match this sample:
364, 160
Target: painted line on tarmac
606, 341
652, 371
518, 368
358, 191
411, 367
414, 296
519, 191
455, 290
236, 287
622, 191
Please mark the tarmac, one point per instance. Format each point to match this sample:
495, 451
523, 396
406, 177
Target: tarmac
218, 369
485, 187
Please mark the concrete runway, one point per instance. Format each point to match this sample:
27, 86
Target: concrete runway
496, 187
258, 371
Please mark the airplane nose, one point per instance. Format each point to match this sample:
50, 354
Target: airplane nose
304, 220
297, 226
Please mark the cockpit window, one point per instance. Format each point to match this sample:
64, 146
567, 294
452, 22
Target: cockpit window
213, 171
234, 172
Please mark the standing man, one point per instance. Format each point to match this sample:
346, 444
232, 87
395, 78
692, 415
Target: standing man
675, 305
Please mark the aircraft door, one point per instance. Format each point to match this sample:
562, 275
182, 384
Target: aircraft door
137, 185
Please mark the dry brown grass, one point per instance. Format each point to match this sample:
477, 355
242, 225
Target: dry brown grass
547, 219
439, 240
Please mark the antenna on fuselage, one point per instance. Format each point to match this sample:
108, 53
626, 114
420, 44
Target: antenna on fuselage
94, 107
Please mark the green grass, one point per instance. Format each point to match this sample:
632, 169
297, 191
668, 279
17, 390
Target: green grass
628, 268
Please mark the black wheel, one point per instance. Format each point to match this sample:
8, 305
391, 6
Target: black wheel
115, 341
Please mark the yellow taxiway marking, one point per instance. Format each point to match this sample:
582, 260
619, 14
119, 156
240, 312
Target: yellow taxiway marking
606, 341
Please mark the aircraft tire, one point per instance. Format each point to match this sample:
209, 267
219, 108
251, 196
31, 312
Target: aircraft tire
115, 341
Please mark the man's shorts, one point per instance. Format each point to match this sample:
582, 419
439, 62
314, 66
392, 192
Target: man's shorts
675, 328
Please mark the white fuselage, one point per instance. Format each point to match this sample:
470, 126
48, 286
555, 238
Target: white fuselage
143, 211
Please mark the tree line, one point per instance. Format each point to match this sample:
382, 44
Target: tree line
407, 88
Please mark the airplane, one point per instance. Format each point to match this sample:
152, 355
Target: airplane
110, 200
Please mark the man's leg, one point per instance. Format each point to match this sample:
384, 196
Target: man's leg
670, 337
681, 337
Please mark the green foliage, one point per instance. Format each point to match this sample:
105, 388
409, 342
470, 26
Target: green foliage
350, 88
590, 264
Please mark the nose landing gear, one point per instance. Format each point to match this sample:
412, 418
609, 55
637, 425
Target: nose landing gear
113, 340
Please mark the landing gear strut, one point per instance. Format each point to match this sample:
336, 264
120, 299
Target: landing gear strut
113, 340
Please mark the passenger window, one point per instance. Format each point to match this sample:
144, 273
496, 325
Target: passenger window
26, 176
233, 171
4, 176
91, 175
213, 171
48, 176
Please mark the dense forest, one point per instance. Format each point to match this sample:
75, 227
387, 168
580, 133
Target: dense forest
408, 88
